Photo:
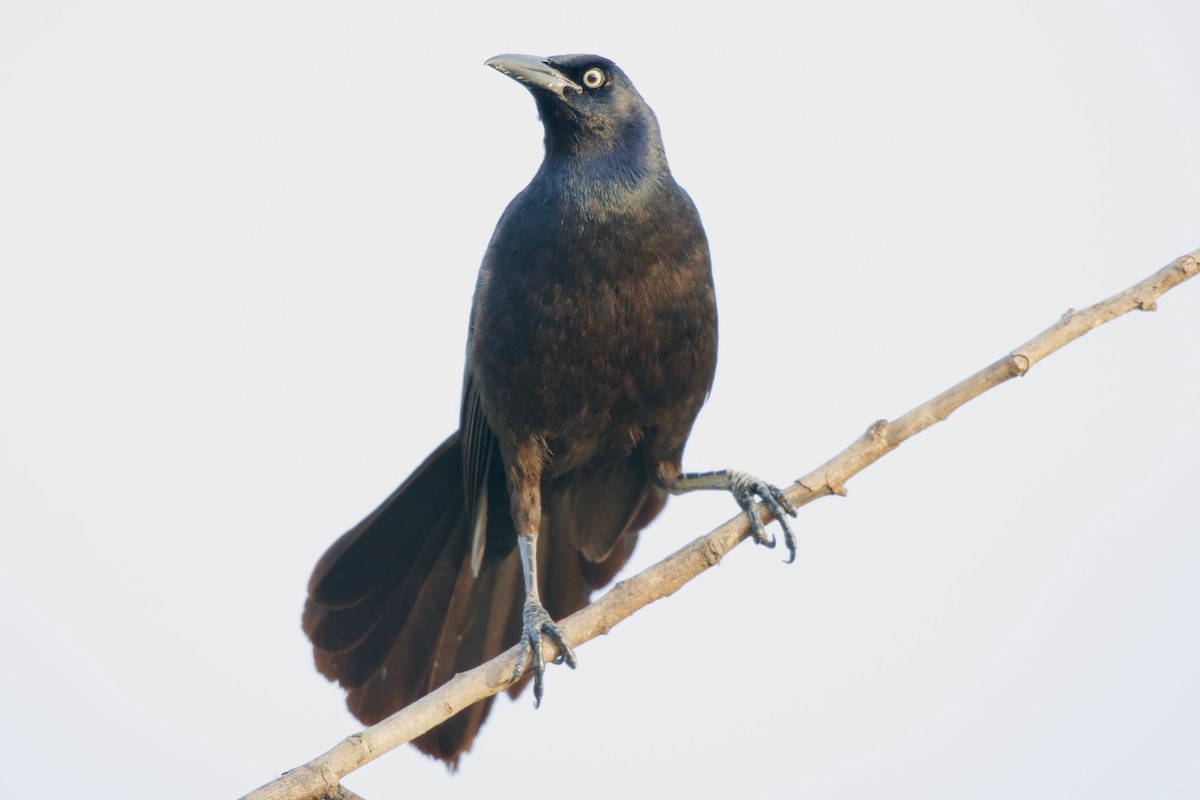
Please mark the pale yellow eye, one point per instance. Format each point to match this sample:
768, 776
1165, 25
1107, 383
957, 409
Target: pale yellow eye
593, 78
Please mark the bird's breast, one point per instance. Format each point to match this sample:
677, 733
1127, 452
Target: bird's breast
591, 333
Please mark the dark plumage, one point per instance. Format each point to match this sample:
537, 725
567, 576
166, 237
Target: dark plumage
592, 345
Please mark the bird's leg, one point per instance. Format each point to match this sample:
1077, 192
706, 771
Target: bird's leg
537, 622
744, 487
526, 496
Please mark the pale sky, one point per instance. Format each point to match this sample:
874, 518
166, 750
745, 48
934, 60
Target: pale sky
237, 249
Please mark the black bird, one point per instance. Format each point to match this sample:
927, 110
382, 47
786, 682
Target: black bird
592, 346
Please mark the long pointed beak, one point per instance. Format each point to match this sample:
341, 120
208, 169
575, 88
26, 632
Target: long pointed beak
534, 72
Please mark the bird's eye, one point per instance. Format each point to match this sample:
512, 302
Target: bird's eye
593, 78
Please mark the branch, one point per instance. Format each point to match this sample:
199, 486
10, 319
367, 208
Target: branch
319, 778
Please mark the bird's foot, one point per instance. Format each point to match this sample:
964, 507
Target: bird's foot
745, 487
537, 624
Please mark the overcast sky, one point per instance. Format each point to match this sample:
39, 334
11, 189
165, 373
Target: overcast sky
237, 247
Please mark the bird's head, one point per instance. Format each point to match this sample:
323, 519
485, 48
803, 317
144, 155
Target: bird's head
589, 108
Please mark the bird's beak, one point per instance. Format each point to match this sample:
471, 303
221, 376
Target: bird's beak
534, 72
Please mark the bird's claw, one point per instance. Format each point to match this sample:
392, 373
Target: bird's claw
746, 488
537, 622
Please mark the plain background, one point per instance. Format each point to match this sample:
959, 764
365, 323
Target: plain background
237, 248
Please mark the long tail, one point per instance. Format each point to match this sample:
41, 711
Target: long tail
394, 610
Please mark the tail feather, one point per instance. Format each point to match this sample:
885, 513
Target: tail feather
395, 609
482, 607
388, 539
353, 642
343, 630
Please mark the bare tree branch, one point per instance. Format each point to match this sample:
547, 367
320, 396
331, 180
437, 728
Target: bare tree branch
319, 778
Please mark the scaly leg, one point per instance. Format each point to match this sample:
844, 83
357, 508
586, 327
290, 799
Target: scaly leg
537, 622
744, 487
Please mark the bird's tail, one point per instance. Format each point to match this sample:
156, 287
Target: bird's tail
394, 610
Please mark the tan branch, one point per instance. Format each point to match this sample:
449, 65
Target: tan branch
319, 778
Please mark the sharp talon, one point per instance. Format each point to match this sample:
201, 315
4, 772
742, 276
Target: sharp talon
745, 489
565, 654
789, 538
538, 624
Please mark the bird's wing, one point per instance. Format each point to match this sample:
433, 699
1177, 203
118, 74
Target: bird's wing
479, 454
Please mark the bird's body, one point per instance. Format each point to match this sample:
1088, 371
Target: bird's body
586, 349
592, 346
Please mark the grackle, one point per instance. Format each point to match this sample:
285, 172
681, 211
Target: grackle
591, 347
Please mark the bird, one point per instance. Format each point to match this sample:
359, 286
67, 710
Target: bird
591, 346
